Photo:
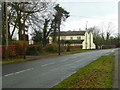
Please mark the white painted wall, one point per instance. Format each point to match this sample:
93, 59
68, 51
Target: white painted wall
88, 41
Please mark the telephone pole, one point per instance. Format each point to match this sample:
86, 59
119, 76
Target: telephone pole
59, 22
86, 33
24, 30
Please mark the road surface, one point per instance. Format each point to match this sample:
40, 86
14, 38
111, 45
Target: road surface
46, 73
116, 73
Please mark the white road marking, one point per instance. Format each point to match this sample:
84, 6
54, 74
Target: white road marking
18, 72
47, 64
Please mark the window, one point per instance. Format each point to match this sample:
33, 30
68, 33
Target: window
76, 44
78, 38
71, 38
64, 38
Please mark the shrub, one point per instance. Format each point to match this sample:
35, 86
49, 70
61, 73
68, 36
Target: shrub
108, 46
19, 46
33, 49
51, 47
74, 47
11, 51
62, 49
18, 42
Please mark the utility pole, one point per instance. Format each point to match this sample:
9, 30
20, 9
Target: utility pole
24, 29
59, 22
86, 24
86, 33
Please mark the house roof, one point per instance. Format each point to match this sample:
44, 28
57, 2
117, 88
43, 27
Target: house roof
67, 33
70, 33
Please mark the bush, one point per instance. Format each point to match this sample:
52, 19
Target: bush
51, 48
11, 51
18, 42
33, 49
19, 46
74, 47
62, 48
108, 46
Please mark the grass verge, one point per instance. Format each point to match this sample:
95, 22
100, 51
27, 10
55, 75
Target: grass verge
77, 51
18, 60
97, 74
44, 55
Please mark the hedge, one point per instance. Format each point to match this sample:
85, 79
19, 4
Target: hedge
73, 47
33, 49
108, 46
53, 48
11, 51
15, 48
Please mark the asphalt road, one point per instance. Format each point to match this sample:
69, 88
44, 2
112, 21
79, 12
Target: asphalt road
46, 73
118, 58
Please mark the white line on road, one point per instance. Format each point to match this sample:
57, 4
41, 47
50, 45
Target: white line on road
47, 64
18, 72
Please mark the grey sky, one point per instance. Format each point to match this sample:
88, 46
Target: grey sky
90, 9
93, 12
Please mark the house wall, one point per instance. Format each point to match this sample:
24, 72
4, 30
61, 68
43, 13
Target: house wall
74, 37
93, 46
68, 38
88, 41
85, 42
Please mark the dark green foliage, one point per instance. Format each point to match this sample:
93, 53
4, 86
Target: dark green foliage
61, 15
34, 50
100, 39
45, 32
37, 37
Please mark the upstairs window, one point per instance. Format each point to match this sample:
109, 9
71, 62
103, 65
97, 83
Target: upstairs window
63, 38
71, 38
78, 38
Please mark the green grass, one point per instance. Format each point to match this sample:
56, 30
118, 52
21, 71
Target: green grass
97, 74
73, 51
18, 60
49, 54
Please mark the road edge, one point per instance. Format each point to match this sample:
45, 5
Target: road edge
115, 72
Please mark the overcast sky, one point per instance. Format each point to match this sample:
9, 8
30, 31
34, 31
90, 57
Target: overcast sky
96, 12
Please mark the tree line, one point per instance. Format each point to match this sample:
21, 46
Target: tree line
40, 19
105, 38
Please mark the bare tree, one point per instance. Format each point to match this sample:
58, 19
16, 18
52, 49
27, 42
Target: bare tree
33, 11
